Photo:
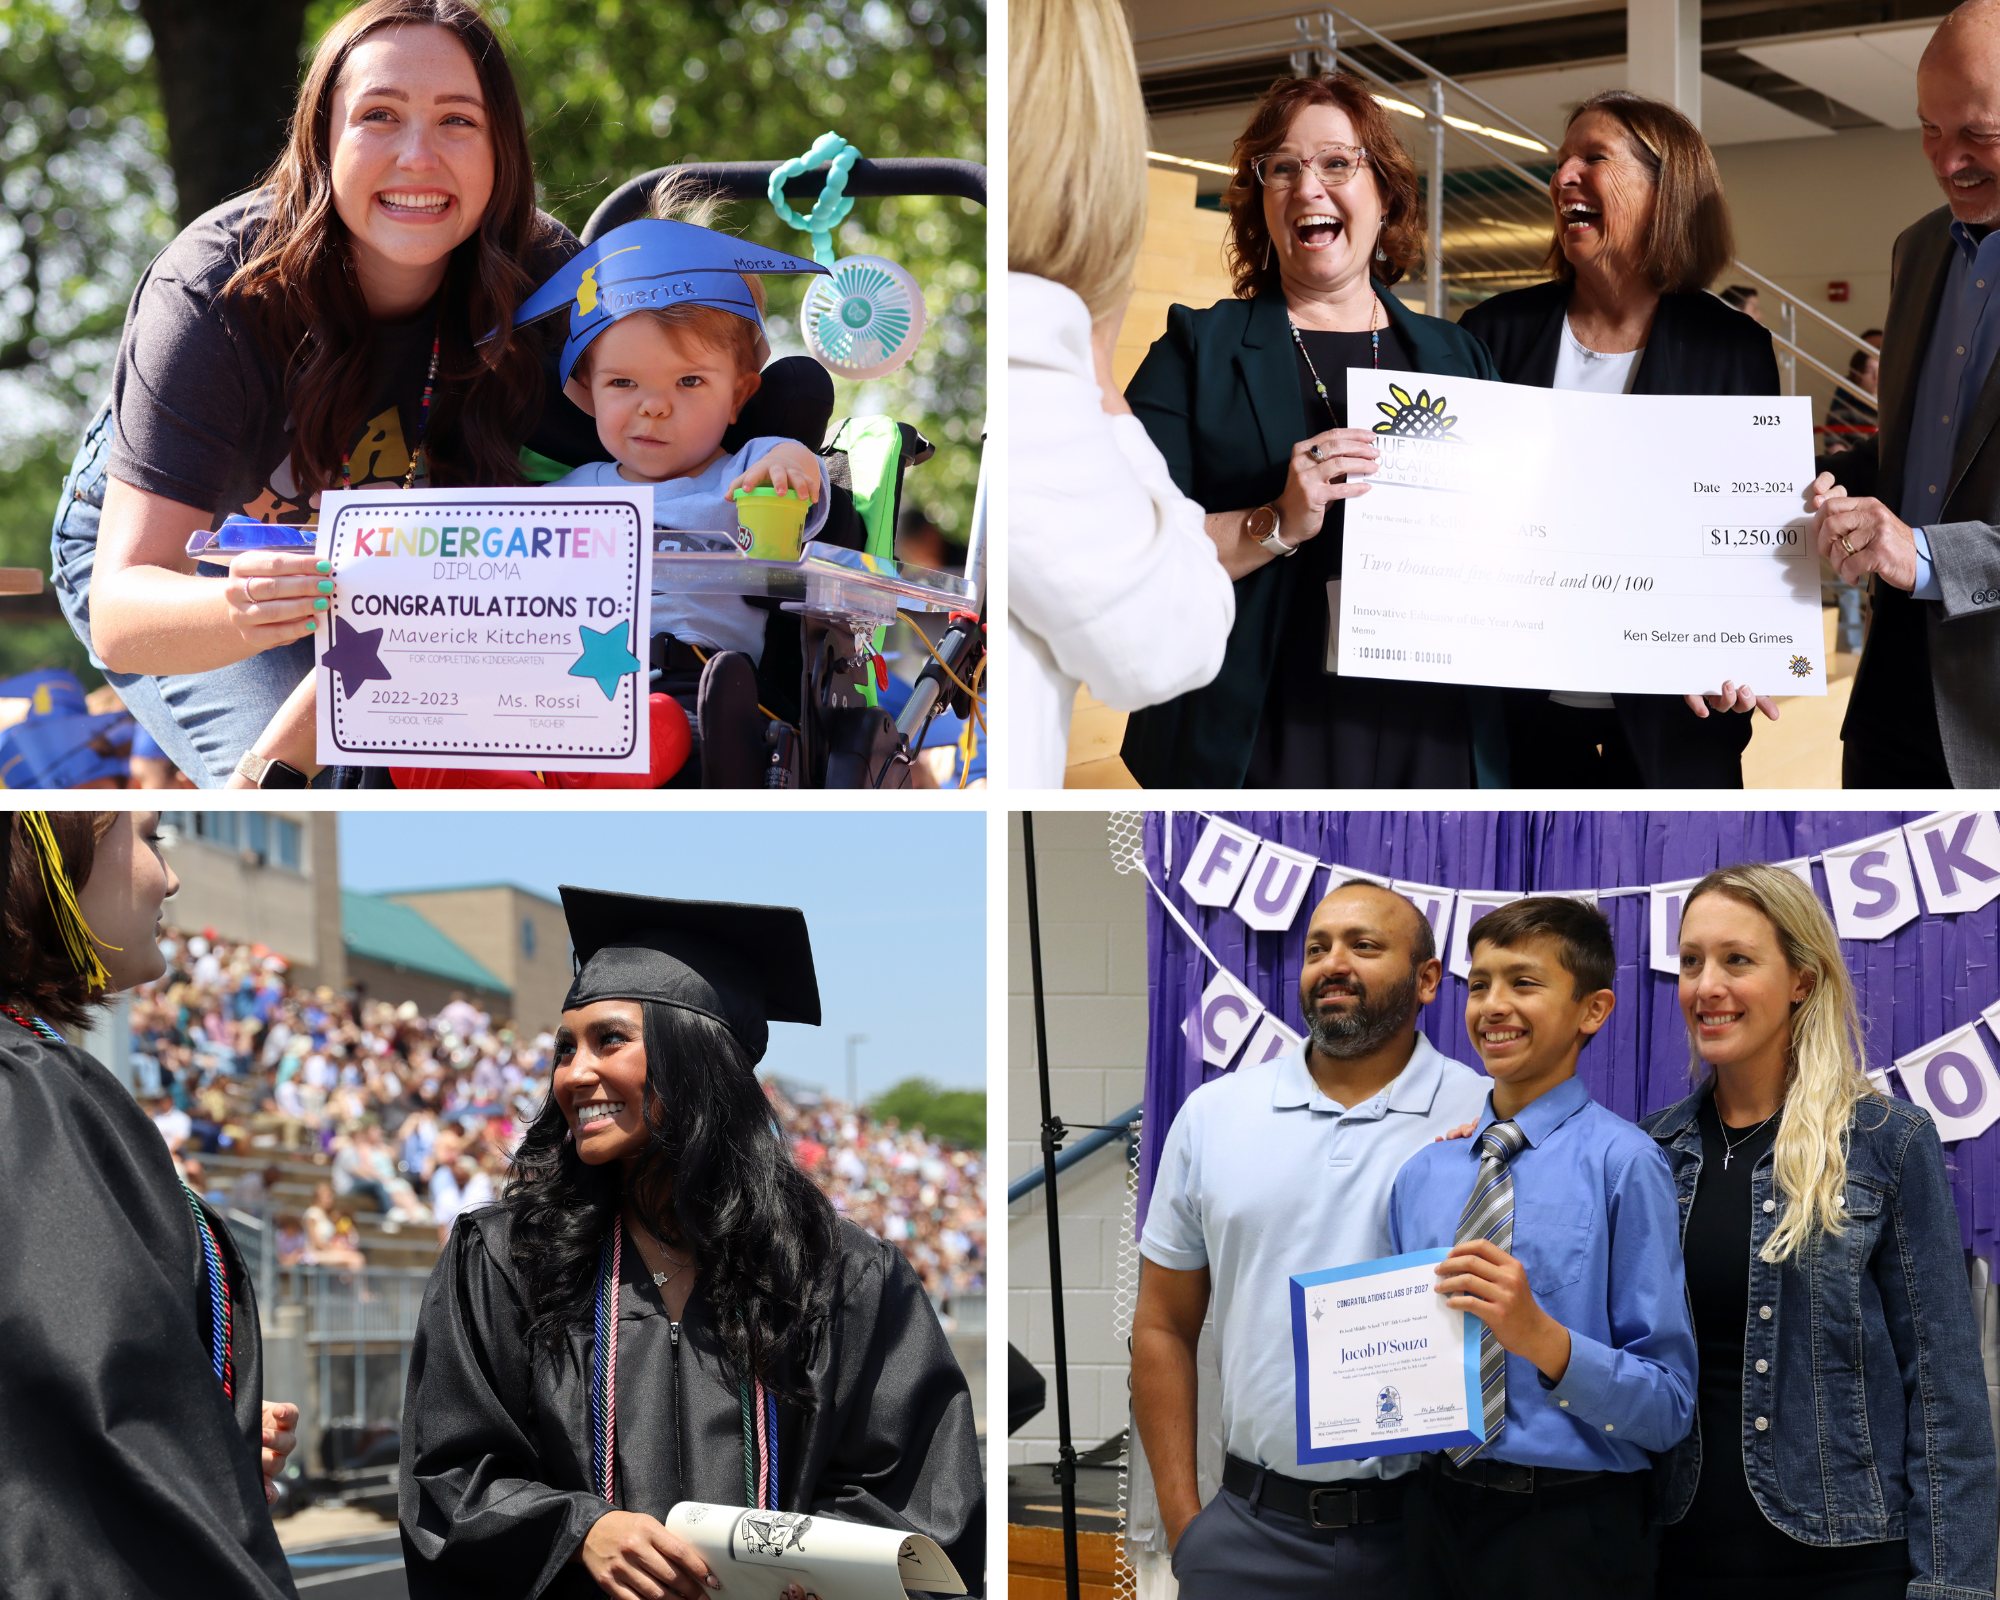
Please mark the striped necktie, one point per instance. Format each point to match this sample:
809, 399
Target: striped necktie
1489, 1214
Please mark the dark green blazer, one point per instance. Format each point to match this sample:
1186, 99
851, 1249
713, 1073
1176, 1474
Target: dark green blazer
1219, 394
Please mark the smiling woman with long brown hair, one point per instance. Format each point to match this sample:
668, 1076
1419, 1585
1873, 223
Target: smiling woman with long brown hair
327, 330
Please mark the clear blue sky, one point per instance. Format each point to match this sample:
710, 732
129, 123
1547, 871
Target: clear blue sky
896, 905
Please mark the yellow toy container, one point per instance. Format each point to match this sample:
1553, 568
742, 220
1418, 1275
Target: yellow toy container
770, 524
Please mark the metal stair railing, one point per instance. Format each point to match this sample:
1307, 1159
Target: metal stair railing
1487, 213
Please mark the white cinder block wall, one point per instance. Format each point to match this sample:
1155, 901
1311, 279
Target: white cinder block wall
1094, 986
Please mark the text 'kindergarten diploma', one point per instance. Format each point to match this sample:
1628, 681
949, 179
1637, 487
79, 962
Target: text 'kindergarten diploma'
487, 629
1383, 1366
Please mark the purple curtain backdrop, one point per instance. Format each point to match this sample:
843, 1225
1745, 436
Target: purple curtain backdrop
1934, 974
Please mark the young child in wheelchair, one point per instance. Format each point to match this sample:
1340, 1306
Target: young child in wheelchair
664, 384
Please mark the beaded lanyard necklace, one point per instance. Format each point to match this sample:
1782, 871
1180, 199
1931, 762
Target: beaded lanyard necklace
211, 1256
423, 426
759, 1407
1374, 340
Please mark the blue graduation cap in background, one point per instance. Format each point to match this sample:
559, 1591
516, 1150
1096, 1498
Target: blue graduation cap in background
60, 752
650, 265
52, 691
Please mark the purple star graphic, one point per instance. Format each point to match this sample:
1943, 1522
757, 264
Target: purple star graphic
354, 655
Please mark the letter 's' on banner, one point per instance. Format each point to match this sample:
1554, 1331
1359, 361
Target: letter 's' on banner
1871, 887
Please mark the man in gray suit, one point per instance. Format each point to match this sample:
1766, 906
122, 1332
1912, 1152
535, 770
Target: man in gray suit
1926, 705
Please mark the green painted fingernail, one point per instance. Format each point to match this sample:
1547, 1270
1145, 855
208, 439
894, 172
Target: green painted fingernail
311, 623
326, 566
319, 605
326, 586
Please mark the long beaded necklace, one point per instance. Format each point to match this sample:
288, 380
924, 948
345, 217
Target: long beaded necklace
211, 1255
423, 427
1374, 341
758, 1406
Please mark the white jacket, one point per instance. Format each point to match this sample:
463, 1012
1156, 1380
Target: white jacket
1112, 580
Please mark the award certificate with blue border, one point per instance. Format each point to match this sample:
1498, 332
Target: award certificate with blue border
1383, 1366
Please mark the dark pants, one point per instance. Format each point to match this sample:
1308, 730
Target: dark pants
1234, 1550
1592, 1540
1553, 746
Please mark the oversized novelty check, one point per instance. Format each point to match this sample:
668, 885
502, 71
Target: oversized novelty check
757, 1555
1545, 539
1383, 1366
487, 629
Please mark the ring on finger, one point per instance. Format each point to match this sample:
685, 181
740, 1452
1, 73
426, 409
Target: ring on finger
1845, 545
1315, 452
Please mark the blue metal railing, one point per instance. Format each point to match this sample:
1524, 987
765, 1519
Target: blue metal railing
1089, 1144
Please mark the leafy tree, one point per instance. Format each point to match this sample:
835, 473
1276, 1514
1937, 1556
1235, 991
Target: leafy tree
86, 200
955, 1116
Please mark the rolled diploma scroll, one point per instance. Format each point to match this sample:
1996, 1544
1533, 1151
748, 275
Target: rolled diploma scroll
756, 1554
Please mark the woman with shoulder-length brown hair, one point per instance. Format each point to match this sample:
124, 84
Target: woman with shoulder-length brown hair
131, 1375
1640, 231
327, 330
1247, 401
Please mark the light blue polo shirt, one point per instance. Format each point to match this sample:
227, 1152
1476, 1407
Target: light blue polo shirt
1263, 1176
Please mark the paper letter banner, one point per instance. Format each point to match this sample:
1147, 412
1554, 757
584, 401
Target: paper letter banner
1991, 1016
1953, 1079
1273, 887
1227, 1013
1957, 857
1472, 905
1668, 899
1219, 864
1872, 888
1801, 868
1271, 1040
1435, 902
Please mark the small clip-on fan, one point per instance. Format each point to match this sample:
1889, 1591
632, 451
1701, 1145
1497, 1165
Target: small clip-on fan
865, 320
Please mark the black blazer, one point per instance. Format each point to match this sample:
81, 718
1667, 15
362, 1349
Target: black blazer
1219, 395
1697, 345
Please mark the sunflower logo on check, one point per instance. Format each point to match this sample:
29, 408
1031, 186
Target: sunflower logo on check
1421, 418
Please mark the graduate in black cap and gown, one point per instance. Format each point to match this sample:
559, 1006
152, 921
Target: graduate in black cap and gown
664, 1308
131, 1388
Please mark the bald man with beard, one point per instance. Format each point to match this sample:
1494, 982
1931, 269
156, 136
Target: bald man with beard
1915, 512
1274, 1169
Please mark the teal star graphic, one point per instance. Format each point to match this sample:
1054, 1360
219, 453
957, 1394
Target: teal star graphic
604, 658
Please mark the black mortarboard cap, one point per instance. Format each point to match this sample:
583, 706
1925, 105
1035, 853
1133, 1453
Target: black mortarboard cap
744, 966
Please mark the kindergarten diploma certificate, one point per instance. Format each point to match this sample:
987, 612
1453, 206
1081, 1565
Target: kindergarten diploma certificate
1545, 539
1383, 1365
487, 629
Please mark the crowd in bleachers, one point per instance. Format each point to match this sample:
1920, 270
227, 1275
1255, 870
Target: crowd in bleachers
408, 1119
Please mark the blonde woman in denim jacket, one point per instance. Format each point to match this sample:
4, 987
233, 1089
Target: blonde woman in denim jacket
1842, 1448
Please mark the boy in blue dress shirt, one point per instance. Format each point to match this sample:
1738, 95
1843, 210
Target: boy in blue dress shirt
1565, 1239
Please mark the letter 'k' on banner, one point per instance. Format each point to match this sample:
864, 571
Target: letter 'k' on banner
1957, 857
1220, 863
1953, 1079
1871, 886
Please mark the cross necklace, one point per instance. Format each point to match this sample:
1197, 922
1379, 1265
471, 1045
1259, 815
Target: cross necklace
1729, 1146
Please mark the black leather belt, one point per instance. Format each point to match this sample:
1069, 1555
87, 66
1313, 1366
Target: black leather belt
1323, 1505
1505, 1475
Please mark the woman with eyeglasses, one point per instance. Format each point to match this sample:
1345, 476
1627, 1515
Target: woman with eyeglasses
1247, 401
1641, 229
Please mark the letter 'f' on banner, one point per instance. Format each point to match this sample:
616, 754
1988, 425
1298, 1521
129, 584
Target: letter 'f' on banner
1220, 863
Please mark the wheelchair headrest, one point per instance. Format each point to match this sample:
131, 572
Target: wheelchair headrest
795, 401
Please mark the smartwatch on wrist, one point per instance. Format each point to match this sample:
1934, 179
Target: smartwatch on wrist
1262, 525
267, 773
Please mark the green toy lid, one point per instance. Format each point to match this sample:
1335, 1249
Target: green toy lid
763, 491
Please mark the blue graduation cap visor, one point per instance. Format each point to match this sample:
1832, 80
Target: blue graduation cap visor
650, 265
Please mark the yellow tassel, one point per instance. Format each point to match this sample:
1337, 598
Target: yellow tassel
77, 938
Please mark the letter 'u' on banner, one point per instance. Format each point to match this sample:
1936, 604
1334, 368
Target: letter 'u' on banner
1871, 887
1435, 902
1668, 901
1953, 1079
1271, 1040
1226, 1017
1275, 884
1472, 905
1957, 857
1220, 862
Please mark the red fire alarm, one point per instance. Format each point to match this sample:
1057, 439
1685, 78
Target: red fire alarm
1836, 290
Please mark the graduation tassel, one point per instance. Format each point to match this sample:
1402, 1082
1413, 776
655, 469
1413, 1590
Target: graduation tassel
78, 940
604, 1392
